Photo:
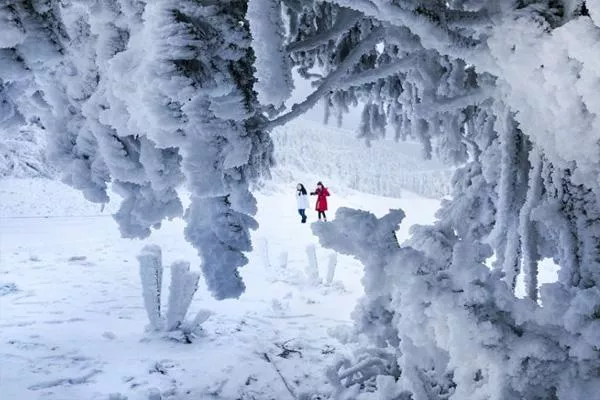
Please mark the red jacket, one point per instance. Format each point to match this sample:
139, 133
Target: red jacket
321, 199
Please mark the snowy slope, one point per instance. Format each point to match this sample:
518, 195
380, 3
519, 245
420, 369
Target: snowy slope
385, 168
43, 197
72, 318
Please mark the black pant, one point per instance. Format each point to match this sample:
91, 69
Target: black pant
322, 213
302, 213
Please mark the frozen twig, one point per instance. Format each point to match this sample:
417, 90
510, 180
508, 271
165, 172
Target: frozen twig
285, 382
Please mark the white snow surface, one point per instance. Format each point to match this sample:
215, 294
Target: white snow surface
72, 320
27, 198
72, 314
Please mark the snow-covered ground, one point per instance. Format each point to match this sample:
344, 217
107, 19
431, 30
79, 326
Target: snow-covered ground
72, 318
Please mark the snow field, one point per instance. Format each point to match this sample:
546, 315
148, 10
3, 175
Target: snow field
72, 317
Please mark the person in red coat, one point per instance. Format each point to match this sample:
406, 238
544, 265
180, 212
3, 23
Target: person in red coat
321, 192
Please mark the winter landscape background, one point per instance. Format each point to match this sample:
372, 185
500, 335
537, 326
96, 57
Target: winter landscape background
72, 312
190, 122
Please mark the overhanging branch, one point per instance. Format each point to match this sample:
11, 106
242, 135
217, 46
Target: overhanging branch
331, 81
373, 75
433, 33
347, 18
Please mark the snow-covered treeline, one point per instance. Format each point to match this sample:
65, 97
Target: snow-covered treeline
385, 168
154, 95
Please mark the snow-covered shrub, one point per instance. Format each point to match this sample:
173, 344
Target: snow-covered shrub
283, 260
331, 265
312, 265
449, 317
360, 234
184, 284
369, 370
151, 271
264, 253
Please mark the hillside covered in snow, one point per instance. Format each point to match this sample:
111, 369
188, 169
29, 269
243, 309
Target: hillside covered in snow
384, 167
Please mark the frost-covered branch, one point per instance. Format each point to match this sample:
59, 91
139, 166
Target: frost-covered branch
274, 79
330, 81
475, 97
381, 72
426, 24
346, 19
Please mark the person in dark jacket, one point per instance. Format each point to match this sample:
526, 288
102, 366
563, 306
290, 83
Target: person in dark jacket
321, 192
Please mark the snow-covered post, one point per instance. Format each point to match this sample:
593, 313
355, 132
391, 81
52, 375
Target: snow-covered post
154, 394
193, 325
312, 268
264, 253
151, 270
283, 260
183, 286
331, 268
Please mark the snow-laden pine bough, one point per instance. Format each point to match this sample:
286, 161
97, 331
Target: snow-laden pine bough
153, 96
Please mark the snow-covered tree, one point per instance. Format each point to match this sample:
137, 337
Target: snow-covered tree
507, 91
150, 96
147, 96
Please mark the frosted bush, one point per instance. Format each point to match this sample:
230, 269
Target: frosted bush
331, 265
151, 271
283, 260
264, 253
312, 265
184, 283
448, 317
